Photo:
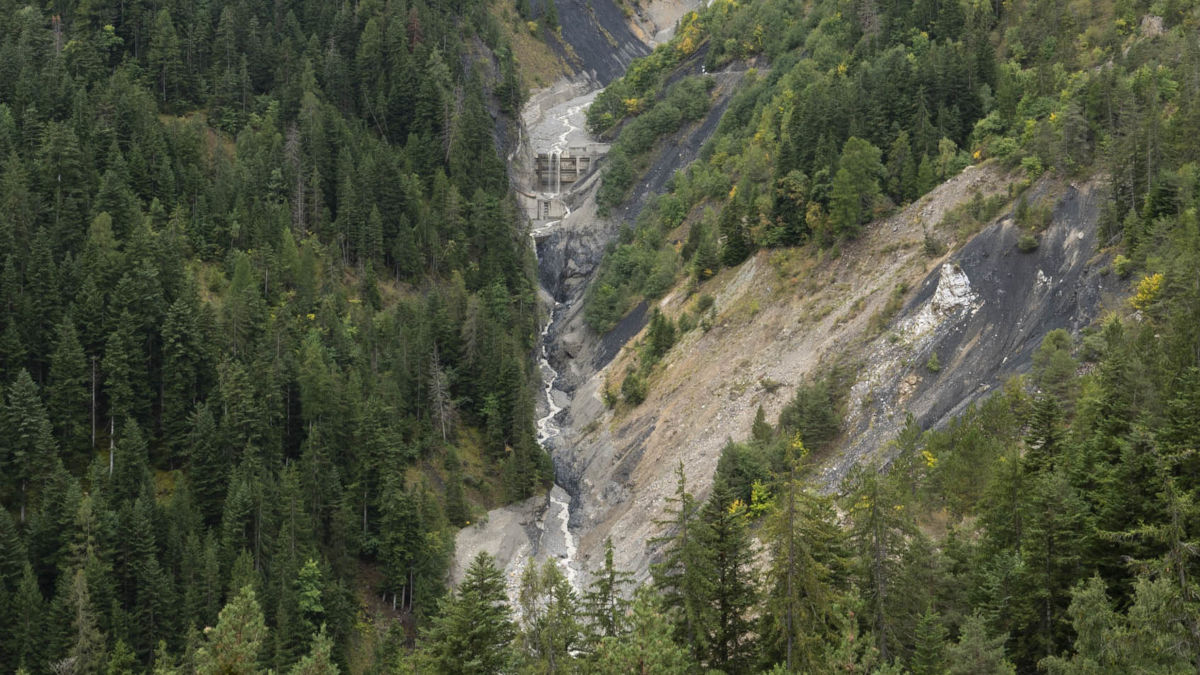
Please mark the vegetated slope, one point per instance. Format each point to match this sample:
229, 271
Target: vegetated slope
785, 318
266, 319
977, 545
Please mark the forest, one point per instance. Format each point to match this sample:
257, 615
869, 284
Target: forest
266, 317
268, 311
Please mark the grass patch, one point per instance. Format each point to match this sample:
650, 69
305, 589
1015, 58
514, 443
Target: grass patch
969, 217
538, 64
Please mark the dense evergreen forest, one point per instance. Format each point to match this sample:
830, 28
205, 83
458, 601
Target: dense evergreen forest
266, 317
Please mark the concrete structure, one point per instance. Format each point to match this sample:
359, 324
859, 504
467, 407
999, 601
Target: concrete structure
556, 172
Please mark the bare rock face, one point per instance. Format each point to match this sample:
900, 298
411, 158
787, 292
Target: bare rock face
953, 294
983, 308
983, 313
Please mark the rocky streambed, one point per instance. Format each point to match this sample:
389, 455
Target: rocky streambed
541, 528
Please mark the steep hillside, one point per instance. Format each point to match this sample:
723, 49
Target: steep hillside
859, 383
784, 318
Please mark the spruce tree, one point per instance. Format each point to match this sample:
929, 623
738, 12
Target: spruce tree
31, 452
855, 187
69, 395
807, 601
208, 465
87, 652
24, 638
647, 648
879, 531
976, 652
725, 540
604, 602
929, 652
684, 577
319, 660
182, 362
474, 632
232, 646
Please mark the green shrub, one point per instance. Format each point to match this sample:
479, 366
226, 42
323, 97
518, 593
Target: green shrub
633, 388
1027, 243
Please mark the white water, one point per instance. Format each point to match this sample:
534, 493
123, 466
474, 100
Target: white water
556, 534
557, 519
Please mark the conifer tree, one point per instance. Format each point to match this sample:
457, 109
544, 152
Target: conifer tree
232, 646
69, 395
30, 451
647, 648
604, 601
806, 604
733, 590
474, 631
976, 652
879, 530
24, 638
929, 652
319, 660
182, 362
855, 186
684, 577
87, 652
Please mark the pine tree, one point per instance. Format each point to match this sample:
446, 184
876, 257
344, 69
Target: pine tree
232, 647
604, 601
733, 595
474, 631
684, 576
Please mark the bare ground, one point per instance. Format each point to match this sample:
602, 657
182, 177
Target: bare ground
784, 315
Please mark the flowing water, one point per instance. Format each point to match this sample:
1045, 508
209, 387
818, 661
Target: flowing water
559, 127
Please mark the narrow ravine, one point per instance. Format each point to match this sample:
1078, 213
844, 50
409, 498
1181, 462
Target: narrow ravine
556, 538
570, 239
540, 528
